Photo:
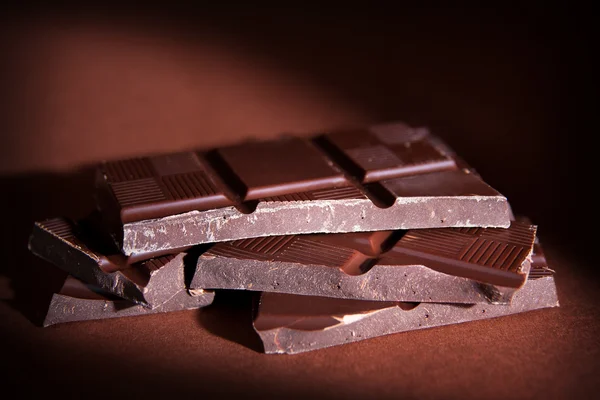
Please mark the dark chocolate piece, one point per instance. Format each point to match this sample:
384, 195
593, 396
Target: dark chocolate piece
77, 301
385, 177
453, 265
294, 324
469, 252
150, 283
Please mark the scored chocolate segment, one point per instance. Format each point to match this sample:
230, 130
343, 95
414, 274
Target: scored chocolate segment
368, 243
150, 283
452, 183
77, 301
307, 249
375, 156
341, 193
487, 255
63, 233
163, 185
159, 186
444, 265
281, 167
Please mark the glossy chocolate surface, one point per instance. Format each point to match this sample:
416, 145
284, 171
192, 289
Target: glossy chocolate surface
434, 265
384, 177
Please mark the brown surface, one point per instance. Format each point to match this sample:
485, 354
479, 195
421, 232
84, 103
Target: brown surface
508, 85
421, 265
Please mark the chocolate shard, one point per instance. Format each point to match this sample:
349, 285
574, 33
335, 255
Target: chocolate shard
451, 265
469, 252
295, 324
150, 283
77, 301
382, 178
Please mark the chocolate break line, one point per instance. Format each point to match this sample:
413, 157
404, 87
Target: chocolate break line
150, 283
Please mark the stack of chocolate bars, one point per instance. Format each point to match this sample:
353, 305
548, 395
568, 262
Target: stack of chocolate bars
347, 235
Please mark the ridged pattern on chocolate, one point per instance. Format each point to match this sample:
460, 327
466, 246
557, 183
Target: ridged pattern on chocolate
309, 252
538, 272
338, 194
441, 241
519, 234
68, 232
469, 231
494, 254
304, 196
482, 250
141, 191
265, 245
127, 170
59, 227
228, 250
504, 249
189, 185
329, 167
349, 192
539, 265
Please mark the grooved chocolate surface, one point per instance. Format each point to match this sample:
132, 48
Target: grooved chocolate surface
63, 230
437, 265
383, 177
343, 253
539, 265
377, 155
79, 252
473, 251
162, 185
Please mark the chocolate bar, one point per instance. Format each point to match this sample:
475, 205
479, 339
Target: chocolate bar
381, 178
294, 324
77, 301
450, 265
150, 283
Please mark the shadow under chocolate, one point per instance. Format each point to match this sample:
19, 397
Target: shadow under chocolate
230, 317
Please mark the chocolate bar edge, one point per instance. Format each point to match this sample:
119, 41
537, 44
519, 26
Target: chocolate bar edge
320, 216
536, 294
84, 264
64, 308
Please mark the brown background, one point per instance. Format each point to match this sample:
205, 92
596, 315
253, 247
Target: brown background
509, 89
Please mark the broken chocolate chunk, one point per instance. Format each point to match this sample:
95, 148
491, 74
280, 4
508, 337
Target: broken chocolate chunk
294, 324
77, 301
